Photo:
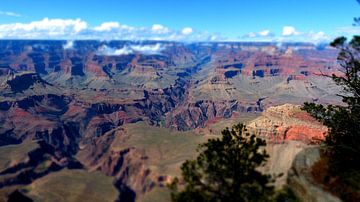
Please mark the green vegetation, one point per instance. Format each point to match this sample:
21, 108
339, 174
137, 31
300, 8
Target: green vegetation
225, 170
342, 144
72, 186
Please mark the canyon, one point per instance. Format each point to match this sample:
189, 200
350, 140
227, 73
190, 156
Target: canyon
132, 119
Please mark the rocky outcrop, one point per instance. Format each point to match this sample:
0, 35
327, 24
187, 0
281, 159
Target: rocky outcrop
300, 178
288, 131
288, 122
20, 82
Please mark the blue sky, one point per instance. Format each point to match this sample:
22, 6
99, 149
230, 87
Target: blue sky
258, 20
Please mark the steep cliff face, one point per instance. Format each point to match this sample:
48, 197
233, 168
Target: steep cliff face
288, 122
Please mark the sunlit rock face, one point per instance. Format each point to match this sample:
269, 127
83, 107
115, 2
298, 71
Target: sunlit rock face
288, 122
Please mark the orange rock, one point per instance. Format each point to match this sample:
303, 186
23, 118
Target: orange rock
288, 122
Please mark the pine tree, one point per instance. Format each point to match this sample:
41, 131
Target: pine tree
343, 139
225, 170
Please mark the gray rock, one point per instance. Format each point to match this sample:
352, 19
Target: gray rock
301, 182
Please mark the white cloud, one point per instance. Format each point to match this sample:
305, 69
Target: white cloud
9, 13
288, 34
290, 31
216, 38
187, 31
69, 45
131, 49
348, 31
159, 29
106, 50
265, 33
46, 28
107, 26
75, 29
251, 35
318, 37
148, 49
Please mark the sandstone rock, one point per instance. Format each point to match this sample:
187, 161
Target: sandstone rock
288, 122
281, 159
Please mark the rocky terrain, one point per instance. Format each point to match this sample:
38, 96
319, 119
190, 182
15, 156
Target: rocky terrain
288, 122
288, 131
71, 108
301, 180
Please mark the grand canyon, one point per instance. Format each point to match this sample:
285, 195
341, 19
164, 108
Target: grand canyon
114, 120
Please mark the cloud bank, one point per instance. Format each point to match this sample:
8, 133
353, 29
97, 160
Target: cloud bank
131, 49
350, 30
46, 28
290, 31
289, 34
78, 29
264, 34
